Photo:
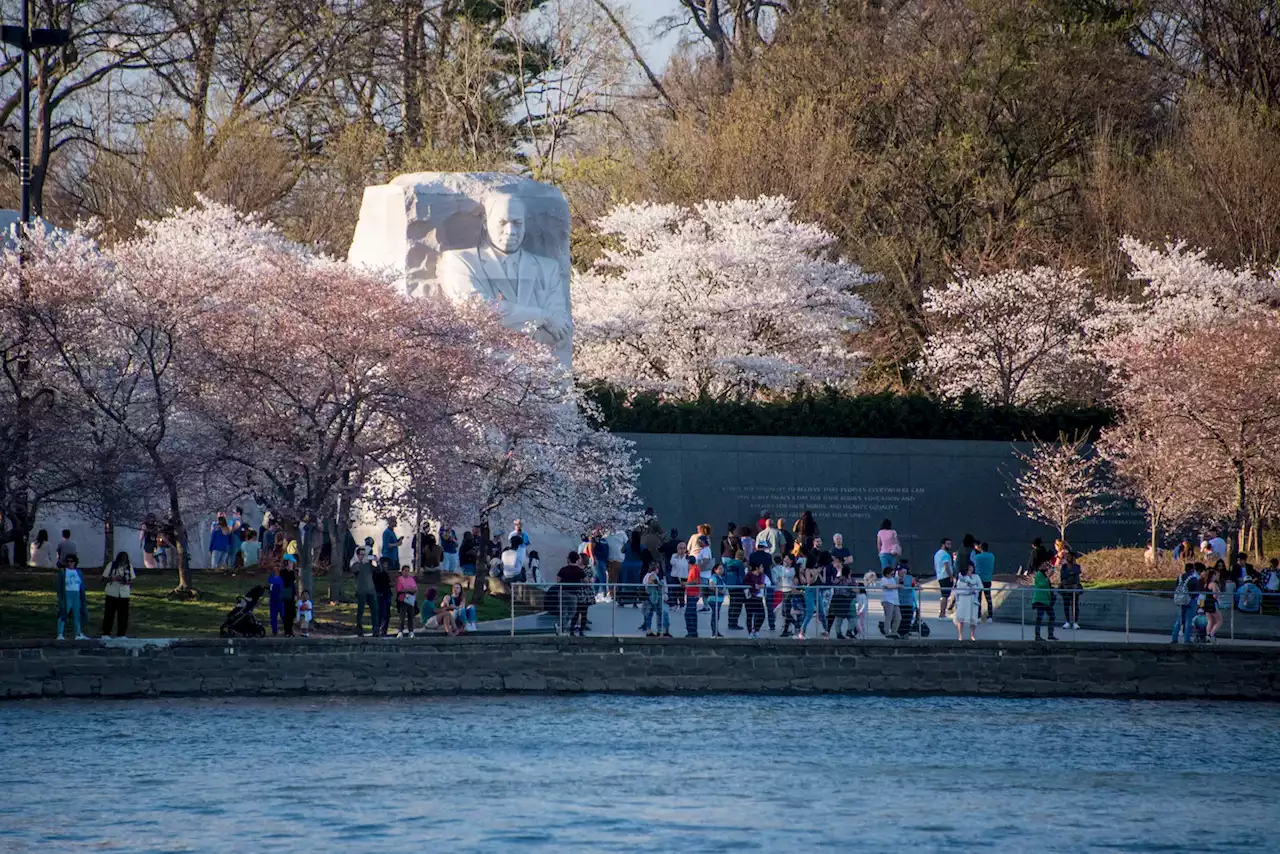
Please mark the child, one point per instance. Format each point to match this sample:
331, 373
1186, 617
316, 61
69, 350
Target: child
715, 596
535, 568
304, 613
1199, 627
406, 599
862, 603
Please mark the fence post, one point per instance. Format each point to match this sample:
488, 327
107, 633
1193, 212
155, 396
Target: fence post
1232, 606
1022, 614
1126, 616
514, 589
613, 614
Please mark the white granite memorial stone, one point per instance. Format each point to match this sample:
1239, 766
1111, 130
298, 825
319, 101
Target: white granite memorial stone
453, 235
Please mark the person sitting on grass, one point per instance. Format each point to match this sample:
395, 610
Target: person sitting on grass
464, 615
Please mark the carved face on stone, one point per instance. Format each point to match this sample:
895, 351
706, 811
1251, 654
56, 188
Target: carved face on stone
505, 223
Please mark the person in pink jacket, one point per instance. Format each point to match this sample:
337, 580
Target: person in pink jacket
406, 599
888, 546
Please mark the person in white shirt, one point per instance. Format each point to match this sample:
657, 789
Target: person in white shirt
119, 577
517, 530
1215, 549
41, 553
889, 601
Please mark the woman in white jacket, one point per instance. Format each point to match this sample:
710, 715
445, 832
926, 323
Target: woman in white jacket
41, 553
965, 593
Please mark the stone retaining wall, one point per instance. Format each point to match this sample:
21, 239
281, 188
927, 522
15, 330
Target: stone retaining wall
492, 665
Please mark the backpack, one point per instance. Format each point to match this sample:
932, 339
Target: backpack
1181, 597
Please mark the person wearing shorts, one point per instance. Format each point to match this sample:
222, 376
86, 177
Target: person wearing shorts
944, 570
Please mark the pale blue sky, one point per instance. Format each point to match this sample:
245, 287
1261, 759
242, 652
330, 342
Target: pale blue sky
645, 14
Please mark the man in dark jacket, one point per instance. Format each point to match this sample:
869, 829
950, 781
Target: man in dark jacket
382, 587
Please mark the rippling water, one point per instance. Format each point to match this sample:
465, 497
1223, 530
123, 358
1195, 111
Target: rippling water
602, 773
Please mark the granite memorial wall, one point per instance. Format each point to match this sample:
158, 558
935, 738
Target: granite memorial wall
928, 488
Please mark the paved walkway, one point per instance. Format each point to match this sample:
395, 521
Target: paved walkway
607, 619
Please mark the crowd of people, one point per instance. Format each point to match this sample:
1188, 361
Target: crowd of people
767, 574
771, 573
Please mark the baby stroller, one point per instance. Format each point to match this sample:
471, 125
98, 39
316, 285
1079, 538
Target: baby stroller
241, 622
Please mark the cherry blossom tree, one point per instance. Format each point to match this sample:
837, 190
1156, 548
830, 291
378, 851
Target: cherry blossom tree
1182, 291
726, 300
1013, 337
539, 452
1222, 386
1060, 483
1156, 465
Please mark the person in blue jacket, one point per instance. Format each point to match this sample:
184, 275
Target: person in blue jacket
72, 604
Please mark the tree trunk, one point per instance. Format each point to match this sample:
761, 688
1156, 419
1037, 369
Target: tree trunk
337, 552
108, 541
482, 563
179, 533
1242, 514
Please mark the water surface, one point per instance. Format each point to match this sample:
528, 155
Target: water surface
605, 773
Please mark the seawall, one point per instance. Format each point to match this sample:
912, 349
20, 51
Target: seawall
479, 665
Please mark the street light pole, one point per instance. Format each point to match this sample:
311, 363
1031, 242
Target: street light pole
26, 40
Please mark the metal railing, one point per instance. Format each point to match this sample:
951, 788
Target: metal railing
1007, 612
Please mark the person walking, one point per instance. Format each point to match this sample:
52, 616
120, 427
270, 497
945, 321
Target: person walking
652, 582
1070, 586
1211, 602
734, 577
1186, 596
715, 595
755, 601
119, 577
840, 611
73, 605
1042, 599
382, 589
907, 611
968, 589
888, 545
862, 602
289, 592
984, 567
784, 581
149, 540
275, 600
406, 599
889, 602
944, 571
692, 591
41, 552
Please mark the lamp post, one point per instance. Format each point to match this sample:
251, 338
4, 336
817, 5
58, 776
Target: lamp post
26, 40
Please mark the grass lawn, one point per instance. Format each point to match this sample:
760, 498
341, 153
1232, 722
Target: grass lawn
28, 604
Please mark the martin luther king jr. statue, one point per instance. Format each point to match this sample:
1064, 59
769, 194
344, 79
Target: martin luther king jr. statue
458, 235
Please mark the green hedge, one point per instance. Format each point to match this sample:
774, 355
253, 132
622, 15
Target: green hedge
881, 416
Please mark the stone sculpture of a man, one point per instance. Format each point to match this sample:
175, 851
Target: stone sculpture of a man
530, 290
